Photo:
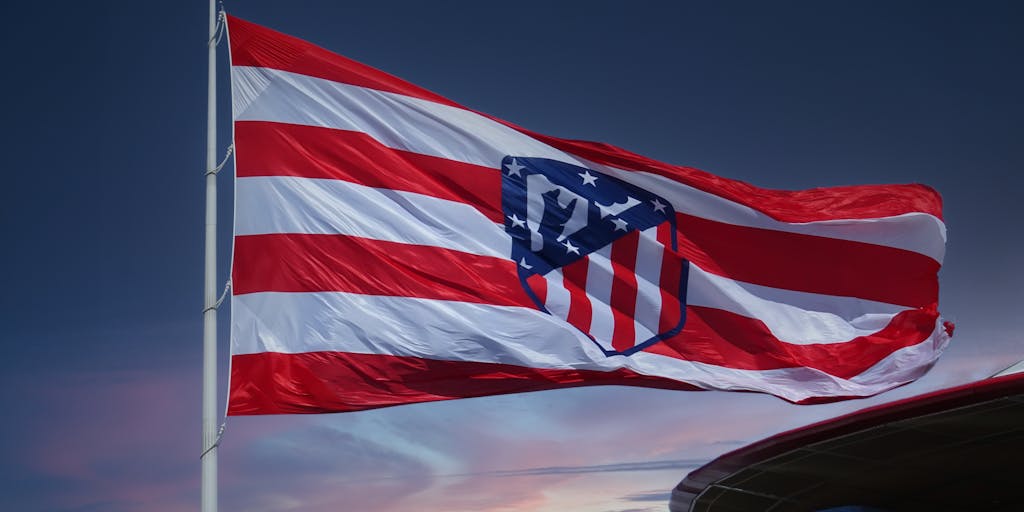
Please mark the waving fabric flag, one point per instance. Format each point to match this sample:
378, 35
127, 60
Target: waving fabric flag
392, 246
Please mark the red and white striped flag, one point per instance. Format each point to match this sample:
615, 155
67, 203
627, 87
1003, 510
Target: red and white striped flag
392, 246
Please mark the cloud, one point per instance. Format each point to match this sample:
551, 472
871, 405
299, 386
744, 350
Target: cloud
597, 468
120, 442
312, 467
660, 496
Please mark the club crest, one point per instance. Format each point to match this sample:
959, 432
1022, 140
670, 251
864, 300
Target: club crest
596, 252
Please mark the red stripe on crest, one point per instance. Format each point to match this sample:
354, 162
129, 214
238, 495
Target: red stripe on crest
539, 285
575, 279
624, 289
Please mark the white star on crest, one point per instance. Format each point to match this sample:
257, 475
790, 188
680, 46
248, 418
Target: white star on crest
524, 264
588, 179
569, 247
620, 225
514, 168
659, 206
516, 221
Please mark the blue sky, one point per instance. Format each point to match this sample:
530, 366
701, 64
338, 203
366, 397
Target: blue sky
102, 211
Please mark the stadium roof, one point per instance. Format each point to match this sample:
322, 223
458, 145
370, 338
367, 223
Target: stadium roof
955, 449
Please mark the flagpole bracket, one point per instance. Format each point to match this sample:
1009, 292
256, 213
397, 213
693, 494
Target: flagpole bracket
221, 23
227, 154
216, 441
223, 295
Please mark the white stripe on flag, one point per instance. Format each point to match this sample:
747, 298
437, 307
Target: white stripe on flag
404, 326
792, 316
281, 204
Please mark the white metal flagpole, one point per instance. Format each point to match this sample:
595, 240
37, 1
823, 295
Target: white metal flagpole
209, 453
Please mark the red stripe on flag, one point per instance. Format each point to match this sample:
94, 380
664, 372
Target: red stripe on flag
818, 204
809, 263
722, 338
624, 291
319, 382
253, 45
278, 149
314, 263
574, 275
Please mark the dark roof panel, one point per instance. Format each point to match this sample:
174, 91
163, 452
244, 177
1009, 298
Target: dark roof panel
955, 449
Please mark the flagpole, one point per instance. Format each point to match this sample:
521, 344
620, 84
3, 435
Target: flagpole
209, 453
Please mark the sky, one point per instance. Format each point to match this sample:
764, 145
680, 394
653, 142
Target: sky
102, 212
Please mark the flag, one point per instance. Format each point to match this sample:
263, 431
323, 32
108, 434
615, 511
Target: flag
392, 246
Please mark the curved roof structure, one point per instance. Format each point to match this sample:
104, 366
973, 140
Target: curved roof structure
956, 449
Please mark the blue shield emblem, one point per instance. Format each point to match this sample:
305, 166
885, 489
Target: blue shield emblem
595, 251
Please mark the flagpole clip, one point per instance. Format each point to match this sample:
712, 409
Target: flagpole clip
223, 295
227, 154
216, 441
219, 33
